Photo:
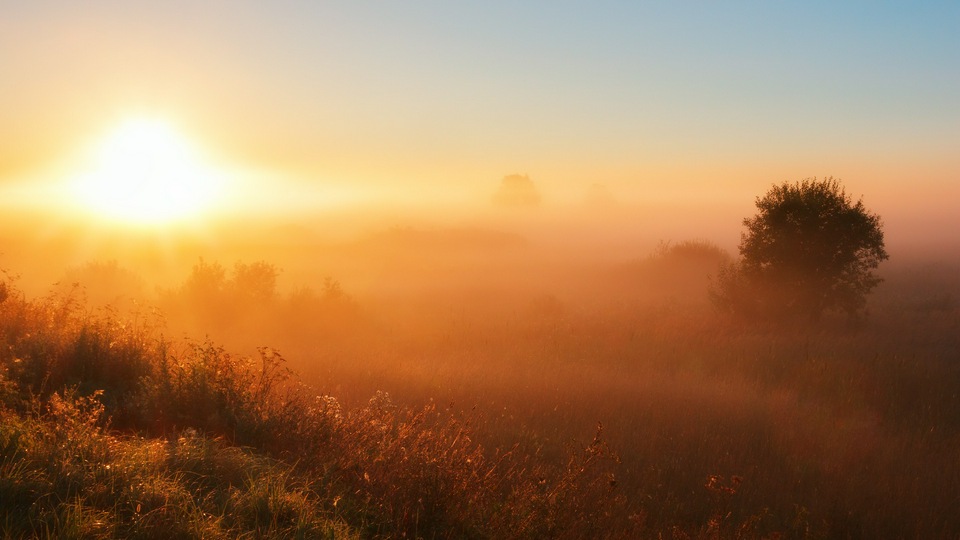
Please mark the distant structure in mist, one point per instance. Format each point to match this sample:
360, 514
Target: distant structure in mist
517, 190
598, 197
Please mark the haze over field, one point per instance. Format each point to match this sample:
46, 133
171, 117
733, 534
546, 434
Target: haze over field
508, 223
308, 109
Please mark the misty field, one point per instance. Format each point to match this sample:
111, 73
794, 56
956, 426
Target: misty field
485, 389
479, 270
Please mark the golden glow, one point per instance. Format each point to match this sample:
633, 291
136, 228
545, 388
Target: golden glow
146, 172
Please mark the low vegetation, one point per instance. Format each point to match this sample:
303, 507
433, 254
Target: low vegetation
108, 430
525, 416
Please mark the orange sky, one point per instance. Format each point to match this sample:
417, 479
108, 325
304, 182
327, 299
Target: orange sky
433, 101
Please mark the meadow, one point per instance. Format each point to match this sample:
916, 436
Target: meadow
468, 383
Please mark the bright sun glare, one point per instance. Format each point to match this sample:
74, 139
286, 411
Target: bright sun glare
146, 172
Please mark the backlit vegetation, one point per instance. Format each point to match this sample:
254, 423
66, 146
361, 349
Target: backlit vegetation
612, 404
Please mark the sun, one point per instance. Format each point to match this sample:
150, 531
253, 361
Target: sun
146, 172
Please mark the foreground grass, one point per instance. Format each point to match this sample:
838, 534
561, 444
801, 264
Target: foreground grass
63, 476
106, 431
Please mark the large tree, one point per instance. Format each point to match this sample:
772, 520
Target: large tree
809, 249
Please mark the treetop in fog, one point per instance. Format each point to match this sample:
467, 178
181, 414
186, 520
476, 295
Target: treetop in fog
517, 190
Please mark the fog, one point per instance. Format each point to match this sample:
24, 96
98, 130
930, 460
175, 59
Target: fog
364, 244
514, 216
413, 267
539, 317
343, 293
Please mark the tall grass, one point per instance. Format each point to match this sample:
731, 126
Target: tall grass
108, 430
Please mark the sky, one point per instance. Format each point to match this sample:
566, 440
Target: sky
659, 101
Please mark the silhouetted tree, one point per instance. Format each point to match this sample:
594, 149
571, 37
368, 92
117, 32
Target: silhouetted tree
255, 282
206, 283
809, 249
517, 190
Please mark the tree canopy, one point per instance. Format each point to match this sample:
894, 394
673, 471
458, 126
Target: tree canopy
517, 190
809, 249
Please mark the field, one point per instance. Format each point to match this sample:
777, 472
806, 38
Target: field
479, 270
469, 383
